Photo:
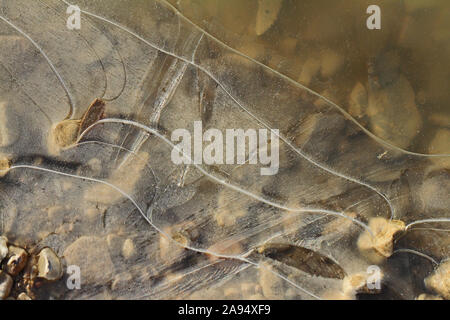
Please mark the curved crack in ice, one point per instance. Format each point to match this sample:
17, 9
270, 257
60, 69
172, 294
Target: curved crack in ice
223, 182
114, 146
49, 62
417, 253
426, 221
237, 257
297, 84
95, 53
22, 88
297, 150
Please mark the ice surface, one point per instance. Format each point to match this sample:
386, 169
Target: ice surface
140, 226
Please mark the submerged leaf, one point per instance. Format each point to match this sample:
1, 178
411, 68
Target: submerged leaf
304, 259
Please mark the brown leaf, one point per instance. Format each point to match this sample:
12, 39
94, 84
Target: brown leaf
304, 259
94, 113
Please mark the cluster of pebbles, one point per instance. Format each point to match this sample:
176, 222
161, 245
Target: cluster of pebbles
21, 272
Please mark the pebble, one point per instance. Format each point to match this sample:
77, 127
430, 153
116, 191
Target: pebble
6, 283
379, 246
439, 281
354, 283
17, 260
357, 283
392, 111
433, 193
49, 265
91, 254
63, 134
23, 296
128, 249
5, 164
3, 248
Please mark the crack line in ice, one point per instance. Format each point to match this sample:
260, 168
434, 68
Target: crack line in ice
297, 84
22, 88
118, 147
323, 167
223, 182
426, 221
420, 254
237, 257
95, 53
429, 229
60, 79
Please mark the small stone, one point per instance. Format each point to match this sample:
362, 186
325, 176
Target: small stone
379, 246
17, 260
128, 249
91, 254
354, 283
357, 283
49, 265
439, 281
392, 111
5, 165
433, 193
6, 283
3, 248
63, 134
23, 296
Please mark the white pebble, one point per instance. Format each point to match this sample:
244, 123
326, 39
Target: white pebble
49, 265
